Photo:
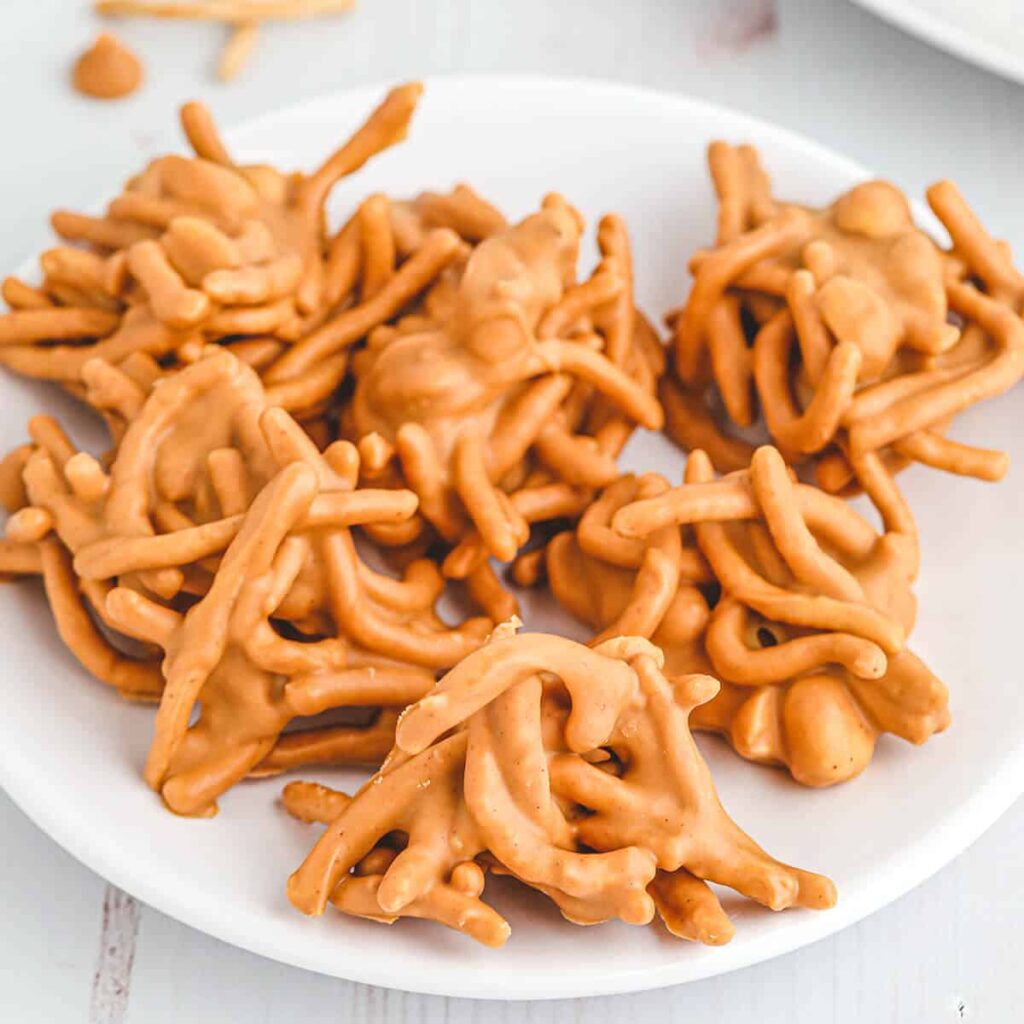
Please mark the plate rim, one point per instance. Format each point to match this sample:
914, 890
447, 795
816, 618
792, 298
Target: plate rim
934, 849
943, 35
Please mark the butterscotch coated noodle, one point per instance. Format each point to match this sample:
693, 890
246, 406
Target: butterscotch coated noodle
506, 766
847, 330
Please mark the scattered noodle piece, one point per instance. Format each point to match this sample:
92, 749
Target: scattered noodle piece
224, 10
237, 50
244, 17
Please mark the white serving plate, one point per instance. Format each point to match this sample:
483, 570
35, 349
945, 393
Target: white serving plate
71, 752
989, 33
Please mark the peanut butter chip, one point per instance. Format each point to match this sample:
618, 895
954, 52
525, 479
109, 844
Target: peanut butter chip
108, 70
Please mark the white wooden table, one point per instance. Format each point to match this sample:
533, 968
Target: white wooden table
73, 948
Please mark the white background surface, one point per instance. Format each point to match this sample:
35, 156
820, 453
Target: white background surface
989, 34
949, 951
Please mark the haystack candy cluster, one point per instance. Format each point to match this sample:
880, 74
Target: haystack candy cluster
199, 250
220, 539
504, 400
571, 769
793, 600
843, 331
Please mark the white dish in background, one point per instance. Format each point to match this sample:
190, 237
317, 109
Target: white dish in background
71, 752
989, 33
